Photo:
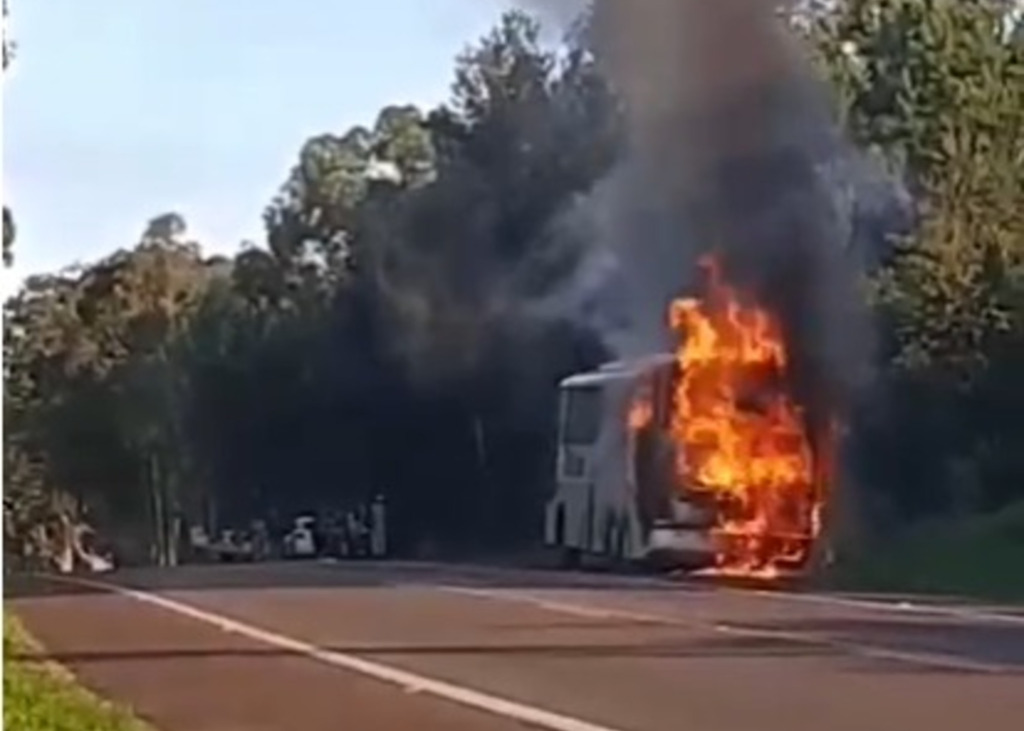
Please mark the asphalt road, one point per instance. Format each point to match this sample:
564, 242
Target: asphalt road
429, 647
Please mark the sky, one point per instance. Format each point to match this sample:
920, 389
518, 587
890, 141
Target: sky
116, 111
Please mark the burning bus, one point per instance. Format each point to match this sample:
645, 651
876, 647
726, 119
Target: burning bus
615, 491
699, 459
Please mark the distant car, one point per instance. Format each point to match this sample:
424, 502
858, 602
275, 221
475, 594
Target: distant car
231, 546
300, 541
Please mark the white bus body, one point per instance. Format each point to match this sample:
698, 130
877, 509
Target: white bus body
613, 495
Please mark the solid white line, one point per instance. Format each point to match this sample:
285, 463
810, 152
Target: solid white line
870, 651
405, 680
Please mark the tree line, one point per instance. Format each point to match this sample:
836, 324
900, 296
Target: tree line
376, 341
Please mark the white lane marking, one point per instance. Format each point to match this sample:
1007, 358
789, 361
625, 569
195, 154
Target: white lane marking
941, 610
571, 609
613, 580
407, 681
920, 659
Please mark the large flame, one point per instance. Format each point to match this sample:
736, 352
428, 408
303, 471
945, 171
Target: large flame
742, 437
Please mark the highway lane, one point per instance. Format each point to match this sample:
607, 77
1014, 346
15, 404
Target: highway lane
616, 653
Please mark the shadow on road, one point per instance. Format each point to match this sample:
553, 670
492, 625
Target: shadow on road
702, 648
352, 574
999, 644
712, 647
812, 631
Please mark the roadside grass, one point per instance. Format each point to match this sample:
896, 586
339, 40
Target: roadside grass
42, 696
978, 558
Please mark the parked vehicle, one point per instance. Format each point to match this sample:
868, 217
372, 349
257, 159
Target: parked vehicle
301, 540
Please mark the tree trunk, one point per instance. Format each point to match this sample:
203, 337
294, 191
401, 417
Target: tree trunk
158, 532
172, 518
485, 490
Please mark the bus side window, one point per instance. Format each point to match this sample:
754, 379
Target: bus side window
582, 416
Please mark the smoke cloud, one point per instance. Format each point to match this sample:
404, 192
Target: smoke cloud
732, 147
559, 14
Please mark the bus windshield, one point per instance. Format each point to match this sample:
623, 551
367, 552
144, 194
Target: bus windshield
582, 415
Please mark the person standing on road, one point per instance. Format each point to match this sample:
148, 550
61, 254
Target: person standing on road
378, 528
260, 540
355, 534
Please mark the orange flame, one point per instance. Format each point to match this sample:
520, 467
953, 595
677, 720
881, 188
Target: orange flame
641, 413
742, 437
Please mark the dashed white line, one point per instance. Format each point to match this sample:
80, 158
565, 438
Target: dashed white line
941, 610
409, 682
920, 659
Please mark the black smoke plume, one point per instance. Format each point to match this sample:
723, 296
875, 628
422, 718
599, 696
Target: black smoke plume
731, 148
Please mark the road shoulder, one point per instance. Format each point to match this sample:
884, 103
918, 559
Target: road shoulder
42, 694
182, 675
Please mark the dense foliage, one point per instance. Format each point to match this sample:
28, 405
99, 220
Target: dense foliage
8, 220
937, 90
383, 338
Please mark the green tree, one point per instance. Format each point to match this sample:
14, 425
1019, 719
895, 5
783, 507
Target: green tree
373, 344
93, 387
316, 216
8, 219
936, 87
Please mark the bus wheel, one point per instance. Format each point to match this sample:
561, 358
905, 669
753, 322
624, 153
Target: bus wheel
610, 541
572, 558
560, 525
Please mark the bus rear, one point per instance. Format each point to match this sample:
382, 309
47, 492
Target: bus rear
617, 494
